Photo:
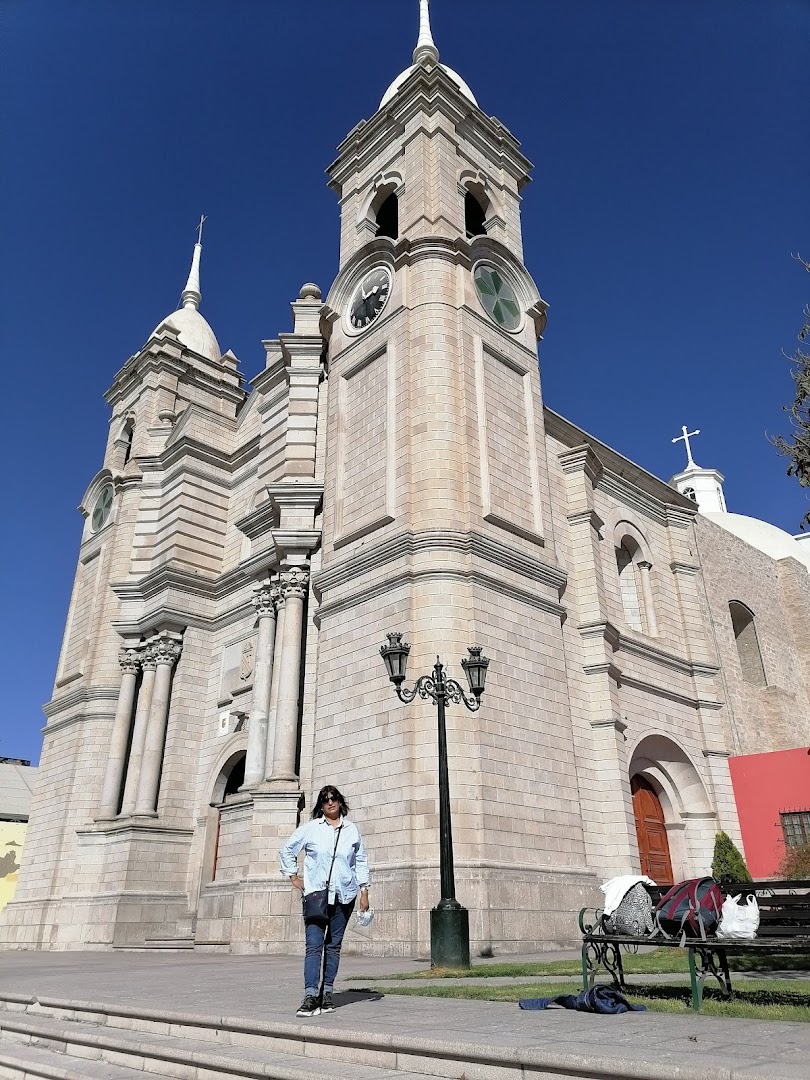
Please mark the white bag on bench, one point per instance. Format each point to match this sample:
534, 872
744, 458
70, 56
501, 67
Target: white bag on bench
739, 920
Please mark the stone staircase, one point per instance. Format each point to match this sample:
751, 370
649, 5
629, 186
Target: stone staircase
68, 1040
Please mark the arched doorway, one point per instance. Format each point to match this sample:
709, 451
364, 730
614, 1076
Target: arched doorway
228, 782
653, 845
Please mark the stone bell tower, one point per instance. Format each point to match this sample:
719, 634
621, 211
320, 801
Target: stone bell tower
436, 518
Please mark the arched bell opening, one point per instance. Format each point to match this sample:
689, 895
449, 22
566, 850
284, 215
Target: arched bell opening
388, 217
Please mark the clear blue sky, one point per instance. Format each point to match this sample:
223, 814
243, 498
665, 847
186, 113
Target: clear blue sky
671, 185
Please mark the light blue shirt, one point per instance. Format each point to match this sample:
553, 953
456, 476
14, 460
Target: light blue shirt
317, 838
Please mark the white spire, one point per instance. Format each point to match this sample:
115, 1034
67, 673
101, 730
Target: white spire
425, 46
191, 294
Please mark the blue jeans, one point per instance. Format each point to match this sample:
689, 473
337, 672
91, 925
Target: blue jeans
331, 938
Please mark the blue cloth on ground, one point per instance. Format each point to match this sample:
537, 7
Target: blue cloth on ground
599, 999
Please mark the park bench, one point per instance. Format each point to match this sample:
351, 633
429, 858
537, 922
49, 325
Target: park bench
784, 927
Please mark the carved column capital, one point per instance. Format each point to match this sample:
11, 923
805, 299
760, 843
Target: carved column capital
266, 599
165, 649
148, 659
295, 582
130, 661
644, 564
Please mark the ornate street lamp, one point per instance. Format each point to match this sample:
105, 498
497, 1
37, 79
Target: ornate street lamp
449, 921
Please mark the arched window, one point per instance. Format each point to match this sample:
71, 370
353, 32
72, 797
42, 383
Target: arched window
475, 214
388, 217
236, 778
745, 635
628, 586
689, 492
129, 432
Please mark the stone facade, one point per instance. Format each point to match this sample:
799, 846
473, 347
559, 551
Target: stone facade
246, 552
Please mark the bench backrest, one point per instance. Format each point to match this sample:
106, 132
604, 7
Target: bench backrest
784, 906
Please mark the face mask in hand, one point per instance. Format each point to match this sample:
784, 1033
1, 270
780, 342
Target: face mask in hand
364, 917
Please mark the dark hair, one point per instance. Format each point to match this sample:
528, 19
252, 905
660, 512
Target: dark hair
329, 789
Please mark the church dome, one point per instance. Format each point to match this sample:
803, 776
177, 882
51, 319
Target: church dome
763, 536
194, 332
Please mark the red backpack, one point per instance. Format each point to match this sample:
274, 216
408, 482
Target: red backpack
691, 908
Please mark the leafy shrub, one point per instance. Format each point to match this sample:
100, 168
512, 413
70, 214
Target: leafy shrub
795, 864
728, 864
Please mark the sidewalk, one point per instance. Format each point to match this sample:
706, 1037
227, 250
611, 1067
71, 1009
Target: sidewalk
269, 989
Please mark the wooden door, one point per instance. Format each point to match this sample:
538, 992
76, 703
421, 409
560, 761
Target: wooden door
653, 845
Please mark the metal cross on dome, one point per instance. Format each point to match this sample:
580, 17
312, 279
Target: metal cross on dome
203, 219
687, 435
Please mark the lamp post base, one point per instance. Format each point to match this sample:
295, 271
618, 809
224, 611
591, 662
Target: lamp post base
449, 937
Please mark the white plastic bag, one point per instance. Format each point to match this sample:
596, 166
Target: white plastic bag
739, 920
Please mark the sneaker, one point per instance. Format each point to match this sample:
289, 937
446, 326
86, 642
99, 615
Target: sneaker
327, 1005
309, 1007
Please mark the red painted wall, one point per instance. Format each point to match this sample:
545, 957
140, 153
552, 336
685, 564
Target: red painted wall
766, 785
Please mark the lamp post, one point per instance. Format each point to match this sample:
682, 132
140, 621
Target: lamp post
449, 921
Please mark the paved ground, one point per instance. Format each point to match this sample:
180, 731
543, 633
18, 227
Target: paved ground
269, 988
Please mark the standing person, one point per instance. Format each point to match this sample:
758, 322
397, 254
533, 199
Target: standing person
330, 842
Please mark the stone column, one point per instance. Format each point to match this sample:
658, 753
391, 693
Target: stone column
644, 569
271, 717
148, 665
264, 601
129, 660
294, 590
166, 651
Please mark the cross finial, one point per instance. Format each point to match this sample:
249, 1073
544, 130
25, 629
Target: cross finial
203, 219
687, 435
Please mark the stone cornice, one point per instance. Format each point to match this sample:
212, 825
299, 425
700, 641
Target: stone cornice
163, 352
582, 459
669, 694
168, 613
131, 829
426, 91
409, 543
408, 576
79, 696
586, 517
259, 521
687, 569
620, 642
622, 477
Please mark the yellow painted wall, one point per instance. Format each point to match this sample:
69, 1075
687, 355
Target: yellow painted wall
12, 838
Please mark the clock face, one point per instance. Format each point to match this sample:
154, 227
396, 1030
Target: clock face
497, 296
370, 297
101, 511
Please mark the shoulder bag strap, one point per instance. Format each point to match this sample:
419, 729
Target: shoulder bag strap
334, 855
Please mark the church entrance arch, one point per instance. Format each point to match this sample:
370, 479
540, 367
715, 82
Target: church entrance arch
651, 832
671, 806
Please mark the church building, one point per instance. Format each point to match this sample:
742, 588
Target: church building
393, 468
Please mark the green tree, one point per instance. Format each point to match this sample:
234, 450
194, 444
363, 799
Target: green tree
796, 446
728, 864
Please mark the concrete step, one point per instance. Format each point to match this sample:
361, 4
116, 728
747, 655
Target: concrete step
151, 1053
23, 1061
193, 1046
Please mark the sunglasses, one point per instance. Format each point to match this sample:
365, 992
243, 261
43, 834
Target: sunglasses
329, 798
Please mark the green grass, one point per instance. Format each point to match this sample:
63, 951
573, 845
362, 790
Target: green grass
763, 999
657, 962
